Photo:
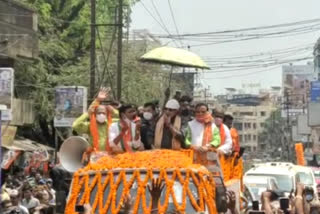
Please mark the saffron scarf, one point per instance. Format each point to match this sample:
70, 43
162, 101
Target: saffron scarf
159, 133
206, 120
222, 134
94, 131
127, 137
235, 139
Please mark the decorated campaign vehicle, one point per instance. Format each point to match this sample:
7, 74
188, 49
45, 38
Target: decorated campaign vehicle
107, 180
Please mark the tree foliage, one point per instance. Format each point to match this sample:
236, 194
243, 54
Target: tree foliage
273, 135
64, 47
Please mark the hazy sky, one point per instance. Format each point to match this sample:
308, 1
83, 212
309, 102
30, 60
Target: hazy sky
197, 16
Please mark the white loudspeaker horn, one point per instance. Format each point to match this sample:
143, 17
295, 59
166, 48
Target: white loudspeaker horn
71, 153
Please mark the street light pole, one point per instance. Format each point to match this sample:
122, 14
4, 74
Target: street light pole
2, 108
289, 127
119, 56
93, 50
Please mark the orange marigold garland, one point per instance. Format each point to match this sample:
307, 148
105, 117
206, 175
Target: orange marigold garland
148, 162
299, 154
94, 183
109, 180
74, 193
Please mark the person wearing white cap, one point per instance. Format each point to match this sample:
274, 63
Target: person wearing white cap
168, 134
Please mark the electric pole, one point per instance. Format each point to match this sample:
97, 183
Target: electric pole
205, 94
289, 128
93, 50
119, 56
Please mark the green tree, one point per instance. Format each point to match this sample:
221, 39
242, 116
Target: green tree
64, 46
272, 139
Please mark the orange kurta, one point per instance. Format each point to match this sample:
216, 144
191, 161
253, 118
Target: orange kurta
237, 172
235, 140
226, 163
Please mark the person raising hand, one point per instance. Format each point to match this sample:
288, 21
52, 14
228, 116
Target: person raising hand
96, 122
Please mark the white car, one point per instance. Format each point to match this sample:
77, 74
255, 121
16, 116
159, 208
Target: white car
285, 174
259, 184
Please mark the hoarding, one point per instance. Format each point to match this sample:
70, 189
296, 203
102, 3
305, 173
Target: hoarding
314, 104
303, 127
6, 91
315, 92
8, 158
314, 114
8, 134
315, 139
296, 81
70, 103
296, 137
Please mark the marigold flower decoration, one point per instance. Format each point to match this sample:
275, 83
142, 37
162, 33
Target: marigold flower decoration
107, 182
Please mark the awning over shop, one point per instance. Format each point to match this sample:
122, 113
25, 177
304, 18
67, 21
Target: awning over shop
27, 145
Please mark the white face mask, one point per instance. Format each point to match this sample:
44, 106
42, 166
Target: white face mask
147, 115
101, 118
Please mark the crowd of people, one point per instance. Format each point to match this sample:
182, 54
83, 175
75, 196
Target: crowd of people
118, 128
298, 202
115, 128
27, 194
180, 124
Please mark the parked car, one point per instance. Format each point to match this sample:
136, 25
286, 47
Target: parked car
316, 173
258, 184
286, 175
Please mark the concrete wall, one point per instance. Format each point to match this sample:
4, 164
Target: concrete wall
18, 27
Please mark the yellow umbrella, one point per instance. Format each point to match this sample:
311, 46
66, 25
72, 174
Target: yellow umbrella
174, 57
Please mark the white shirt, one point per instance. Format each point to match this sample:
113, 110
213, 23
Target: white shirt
53, 193
23, 209
227, 146
32, 203
114, 132
197, 130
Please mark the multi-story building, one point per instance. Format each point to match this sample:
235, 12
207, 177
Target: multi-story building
249, 121
203, 96
141, 41
250, 112
18, 33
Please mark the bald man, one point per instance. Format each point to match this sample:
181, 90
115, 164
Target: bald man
96, 122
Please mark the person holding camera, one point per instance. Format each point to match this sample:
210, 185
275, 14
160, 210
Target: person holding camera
15, 201
303, 201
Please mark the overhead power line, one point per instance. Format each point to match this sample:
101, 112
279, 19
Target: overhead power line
174, 22
106, 61
260, 54
160, 18
255, 66
246, 74
245, 34
260, 59
159, 23
252, 29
